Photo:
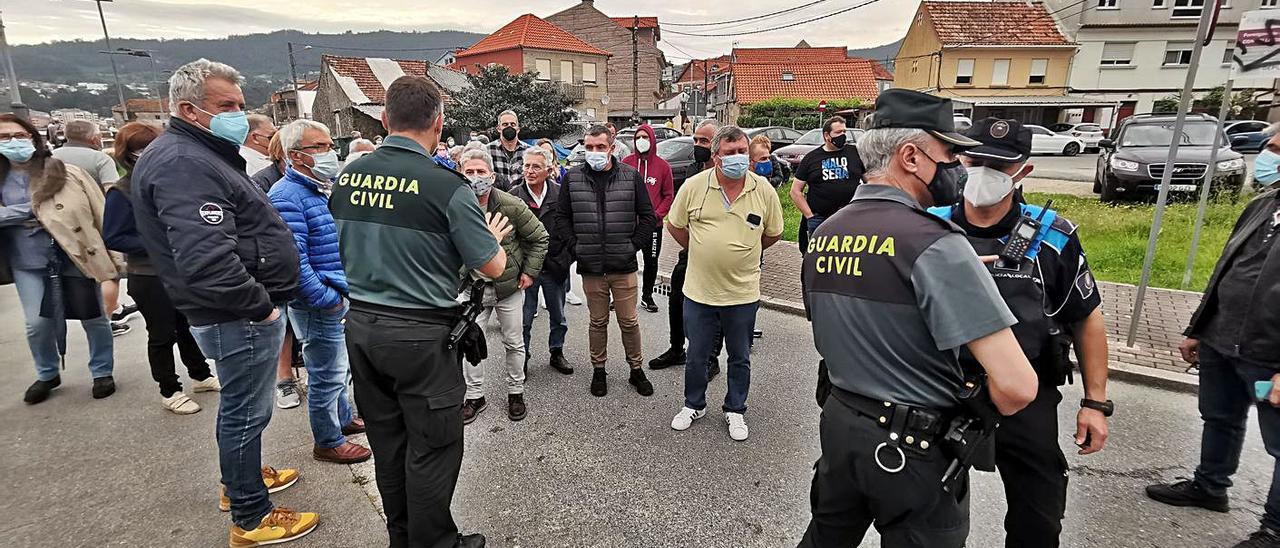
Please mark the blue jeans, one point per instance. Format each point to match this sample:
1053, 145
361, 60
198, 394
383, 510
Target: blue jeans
324, 351
44, 334
1226, 394
245, 354
702, 323
812, 223
553, 292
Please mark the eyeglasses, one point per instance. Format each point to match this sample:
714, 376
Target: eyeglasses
323, 147
534, 167
18, 135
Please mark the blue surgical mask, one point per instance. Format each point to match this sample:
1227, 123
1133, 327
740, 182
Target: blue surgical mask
598, 161
1266, 168
17, 150
764, 169
735, 166
326, 165
228, 126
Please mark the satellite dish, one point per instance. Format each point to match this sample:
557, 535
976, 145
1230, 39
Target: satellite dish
604, 100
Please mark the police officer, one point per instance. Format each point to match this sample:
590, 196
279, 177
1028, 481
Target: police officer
916, 292
1052, 293
406, 228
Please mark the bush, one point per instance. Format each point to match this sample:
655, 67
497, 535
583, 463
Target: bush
781, 107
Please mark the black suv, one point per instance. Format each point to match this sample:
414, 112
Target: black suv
1132, 164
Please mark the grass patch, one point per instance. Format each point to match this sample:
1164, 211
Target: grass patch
1115, 236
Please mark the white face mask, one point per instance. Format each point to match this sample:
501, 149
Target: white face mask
642, 145
986, 186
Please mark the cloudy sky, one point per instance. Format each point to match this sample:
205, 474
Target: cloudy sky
35, 21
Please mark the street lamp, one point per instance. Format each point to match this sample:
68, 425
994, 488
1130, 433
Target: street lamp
15, 96
107, 38
293, 74
155, 75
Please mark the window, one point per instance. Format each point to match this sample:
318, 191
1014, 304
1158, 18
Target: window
1117, 54
964, 72
1187, 8
1038, 69
915, 66
1000, 72
566, 72
1037, 130
1177, 54
1270, 4
543, 68
1230, 52
788, 77
591, 114
588, 73
1157, 4
1108, 4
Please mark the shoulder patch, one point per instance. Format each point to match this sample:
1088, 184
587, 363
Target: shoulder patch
212, 213
1085, 284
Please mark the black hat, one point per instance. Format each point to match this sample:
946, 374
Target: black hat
903, 108
1004, 140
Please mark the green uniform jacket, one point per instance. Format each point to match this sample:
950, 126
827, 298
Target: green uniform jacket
526, 245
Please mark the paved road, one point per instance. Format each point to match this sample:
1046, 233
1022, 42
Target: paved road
1082, 167
579, 471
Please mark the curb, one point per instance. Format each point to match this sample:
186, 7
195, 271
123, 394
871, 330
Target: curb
1147, 376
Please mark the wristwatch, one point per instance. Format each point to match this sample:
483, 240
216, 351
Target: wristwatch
1106, 407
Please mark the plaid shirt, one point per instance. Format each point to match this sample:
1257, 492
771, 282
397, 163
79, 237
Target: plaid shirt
507, 166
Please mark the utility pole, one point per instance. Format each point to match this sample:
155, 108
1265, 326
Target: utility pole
635, 69
706, 81
293, 75
15, 95
1208, 180
124, 107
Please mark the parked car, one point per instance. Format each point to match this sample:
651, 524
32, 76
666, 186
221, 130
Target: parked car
1088, 132
793, 153
1134, 163
962, 122
1248, 135
679, 153
1044, 141
578, 155
778, 136
662, 133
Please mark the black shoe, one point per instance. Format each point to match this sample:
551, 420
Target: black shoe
642, 384
471, 541
39, 390
103, 387
1187, 493
126, 313
1262, 538
599, 388
559, 363
713, 369
516, 409
672, 357
120, 328
648, 305
471, 408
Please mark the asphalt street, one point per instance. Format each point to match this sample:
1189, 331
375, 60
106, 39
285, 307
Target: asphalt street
1083, 166
579, 471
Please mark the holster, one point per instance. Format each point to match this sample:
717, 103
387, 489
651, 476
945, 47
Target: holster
970, 439
1055, 361
824, 384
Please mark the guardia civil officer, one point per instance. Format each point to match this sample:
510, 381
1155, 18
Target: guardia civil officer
406, 229
916, 292
1051, 291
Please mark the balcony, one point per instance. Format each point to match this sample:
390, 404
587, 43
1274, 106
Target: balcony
574, 92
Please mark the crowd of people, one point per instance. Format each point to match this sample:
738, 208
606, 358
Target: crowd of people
255, 246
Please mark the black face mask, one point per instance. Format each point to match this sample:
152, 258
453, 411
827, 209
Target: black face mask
944, 188
839, 141
701, 154
509, 133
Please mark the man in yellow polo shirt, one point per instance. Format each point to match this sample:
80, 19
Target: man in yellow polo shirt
725, 217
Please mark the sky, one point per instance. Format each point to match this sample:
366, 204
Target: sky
36, 21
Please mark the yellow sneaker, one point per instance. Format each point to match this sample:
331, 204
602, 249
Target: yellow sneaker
275, 480
281, 525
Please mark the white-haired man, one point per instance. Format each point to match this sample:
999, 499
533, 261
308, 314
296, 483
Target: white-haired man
358, 148
238, 267
508, 152
256, 148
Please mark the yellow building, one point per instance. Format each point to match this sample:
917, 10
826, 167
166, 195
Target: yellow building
1006, 59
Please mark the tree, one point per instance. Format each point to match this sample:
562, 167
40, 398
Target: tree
1243, 104
543, 108
796, 113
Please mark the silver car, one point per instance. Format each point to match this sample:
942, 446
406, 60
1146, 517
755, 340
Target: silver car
1088, 132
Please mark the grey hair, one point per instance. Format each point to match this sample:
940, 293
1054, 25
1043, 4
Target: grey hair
469, 154
511, 112
258, 121
1272, 129
475, 145
538, 151
877, 146
187, 83
351, 148
291, 134
81, 130
708, 122
727, 133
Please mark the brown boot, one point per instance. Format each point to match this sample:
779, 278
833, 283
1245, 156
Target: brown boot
516, 409
347, 453
356, 427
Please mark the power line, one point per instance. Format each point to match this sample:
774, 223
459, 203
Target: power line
789, 25
322, 46
764, 16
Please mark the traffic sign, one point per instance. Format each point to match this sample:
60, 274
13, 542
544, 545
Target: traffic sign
822, 106
1257, 53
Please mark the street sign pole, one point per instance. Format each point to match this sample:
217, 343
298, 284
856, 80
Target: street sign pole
1184, 103
1208, 180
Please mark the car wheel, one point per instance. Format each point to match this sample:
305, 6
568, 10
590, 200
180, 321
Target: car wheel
1071, 149
1108, 193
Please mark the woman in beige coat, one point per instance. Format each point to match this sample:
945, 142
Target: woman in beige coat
51, 231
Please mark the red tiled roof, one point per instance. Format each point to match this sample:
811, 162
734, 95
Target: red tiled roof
693, 69
790, 55
994, 23
844, 79
357, 68
645, 22
531, 31
878, 69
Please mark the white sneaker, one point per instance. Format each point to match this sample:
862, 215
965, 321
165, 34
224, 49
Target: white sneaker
542, 301
180, 404
573, 299
287, 395
684, 419
737, 426
210, 384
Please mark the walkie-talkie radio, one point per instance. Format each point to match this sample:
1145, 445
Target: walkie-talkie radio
1021, 239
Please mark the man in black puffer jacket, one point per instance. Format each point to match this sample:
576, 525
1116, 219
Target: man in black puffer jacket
605, 217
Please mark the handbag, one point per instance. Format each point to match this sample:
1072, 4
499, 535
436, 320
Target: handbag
68, 297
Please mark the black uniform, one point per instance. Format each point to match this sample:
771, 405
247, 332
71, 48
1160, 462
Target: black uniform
406, 228
1050, 291
892, 292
